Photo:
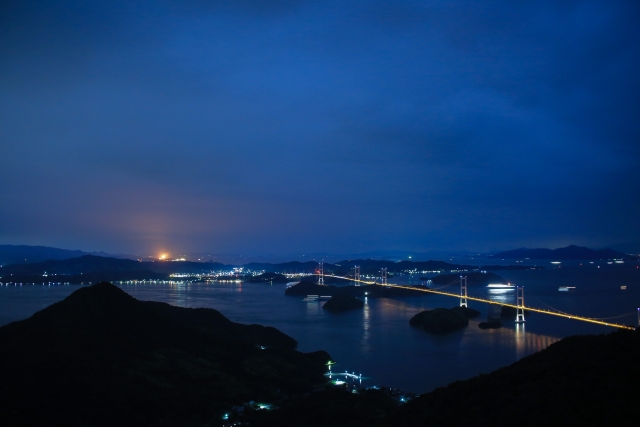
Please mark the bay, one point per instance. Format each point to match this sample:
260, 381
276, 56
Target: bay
377, 341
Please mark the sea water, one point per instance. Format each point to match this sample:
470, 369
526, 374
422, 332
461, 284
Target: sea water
377, 341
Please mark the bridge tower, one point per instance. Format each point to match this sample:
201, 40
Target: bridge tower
321, 274
520, 304
356, 274
639, 317
383, 274
463, 291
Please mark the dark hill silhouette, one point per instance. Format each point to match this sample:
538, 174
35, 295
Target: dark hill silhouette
101, 357
83, 264
571, 252
588, 380
578, 381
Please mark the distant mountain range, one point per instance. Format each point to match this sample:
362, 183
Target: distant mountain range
344, 267
91, 268
25, 264
17, 254
571, 252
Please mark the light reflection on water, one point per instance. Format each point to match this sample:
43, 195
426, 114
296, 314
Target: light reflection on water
365, 325
378, 341
504, 296
313, 308
525, 342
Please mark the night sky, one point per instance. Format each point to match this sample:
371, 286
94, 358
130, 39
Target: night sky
287, 127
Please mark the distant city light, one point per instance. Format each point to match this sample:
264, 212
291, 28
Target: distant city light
163, 256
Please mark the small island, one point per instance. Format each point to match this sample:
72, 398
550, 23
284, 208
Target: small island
443, 320
305, 287
268, 277
467, 312
490, 324
342, 302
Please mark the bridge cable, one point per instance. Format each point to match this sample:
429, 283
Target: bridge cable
616, 317
555, 309
453, 282
593, 318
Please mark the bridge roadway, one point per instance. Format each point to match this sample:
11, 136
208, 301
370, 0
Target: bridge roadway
449, 294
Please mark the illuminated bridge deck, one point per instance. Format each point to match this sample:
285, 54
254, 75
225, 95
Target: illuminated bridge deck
488, 301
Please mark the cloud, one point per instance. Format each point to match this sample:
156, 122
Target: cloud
436, 124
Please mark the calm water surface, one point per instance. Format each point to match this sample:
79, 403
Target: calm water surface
378, 341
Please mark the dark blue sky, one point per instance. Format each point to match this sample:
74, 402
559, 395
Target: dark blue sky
304, 126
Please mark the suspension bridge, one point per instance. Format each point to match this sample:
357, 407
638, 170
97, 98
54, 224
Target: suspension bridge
464, 297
